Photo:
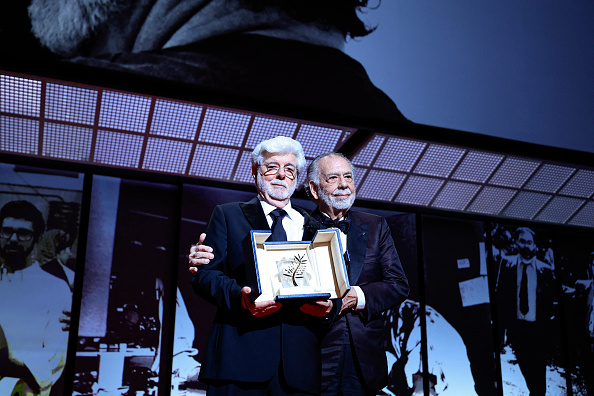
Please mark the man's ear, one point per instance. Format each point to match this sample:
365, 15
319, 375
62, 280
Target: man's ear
254, 171
313, 189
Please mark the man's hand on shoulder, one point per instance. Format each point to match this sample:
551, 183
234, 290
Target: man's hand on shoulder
258, 309
199, 254
318, 309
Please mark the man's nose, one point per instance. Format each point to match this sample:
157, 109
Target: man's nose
13, 237
281, 174
342, 182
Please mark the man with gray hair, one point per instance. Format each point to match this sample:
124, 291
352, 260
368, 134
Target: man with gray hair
260, 347
353, 356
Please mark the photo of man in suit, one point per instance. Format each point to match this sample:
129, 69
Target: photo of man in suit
260, 347
353, 355
526, 298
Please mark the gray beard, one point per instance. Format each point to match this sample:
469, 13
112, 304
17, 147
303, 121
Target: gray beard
332, 202
64, 25
264, 186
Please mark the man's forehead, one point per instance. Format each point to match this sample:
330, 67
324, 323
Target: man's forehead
17, 223
280, 157
334, 165
525, 235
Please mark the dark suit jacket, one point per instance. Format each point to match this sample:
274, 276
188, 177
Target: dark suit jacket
374, 267
242, 347
506, 291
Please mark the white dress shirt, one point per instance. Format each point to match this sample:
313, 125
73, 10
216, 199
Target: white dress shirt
357, 289
292, 223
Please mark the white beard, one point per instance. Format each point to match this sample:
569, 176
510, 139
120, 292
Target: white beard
337, 203
279, 194
63, 25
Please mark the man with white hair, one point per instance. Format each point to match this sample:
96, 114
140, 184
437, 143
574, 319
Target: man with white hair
353, 355
260, 347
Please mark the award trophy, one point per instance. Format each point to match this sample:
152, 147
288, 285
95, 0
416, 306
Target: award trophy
294, 272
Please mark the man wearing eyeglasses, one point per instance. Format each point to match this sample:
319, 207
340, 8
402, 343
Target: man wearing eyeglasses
354, 361
32, 303
260, 348
21, 228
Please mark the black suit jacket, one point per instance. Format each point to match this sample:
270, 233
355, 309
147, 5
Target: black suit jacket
507, 300
242, 347
375, 267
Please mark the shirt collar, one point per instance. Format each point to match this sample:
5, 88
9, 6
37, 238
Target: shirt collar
269, 208
527, 262
342, 218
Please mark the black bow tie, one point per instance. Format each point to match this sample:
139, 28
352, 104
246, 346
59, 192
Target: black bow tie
343, 225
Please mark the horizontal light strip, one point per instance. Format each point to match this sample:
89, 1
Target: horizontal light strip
86, 124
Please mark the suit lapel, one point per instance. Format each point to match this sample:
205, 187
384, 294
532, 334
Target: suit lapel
357, 246
254, 214
356, 243
310, 224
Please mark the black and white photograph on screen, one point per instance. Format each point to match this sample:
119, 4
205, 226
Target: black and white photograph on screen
39, 221
197, 206
576, 273
212, 46
126, 292
189, 40
459, 332
529, 329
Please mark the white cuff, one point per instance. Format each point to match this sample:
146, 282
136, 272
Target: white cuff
360, 298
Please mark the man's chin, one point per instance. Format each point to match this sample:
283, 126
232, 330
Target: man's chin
342, 203
279, 197
270, 196
11, 253
279, 193
15, 260
527, 255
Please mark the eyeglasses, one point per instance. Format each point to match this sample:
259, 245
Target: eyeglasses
273, 169
23, 235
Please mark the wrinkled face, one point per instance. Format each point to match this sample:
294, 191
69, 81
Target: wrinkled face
337, 186
16, 241
526, 246
276, 178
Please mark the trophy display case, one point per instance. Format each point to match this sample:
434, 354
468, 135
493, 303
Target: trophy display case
310, 270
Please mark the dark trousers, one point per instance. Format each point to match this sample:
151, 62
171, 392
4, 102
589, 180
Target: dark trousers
531, 355
348, 380
277, 386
